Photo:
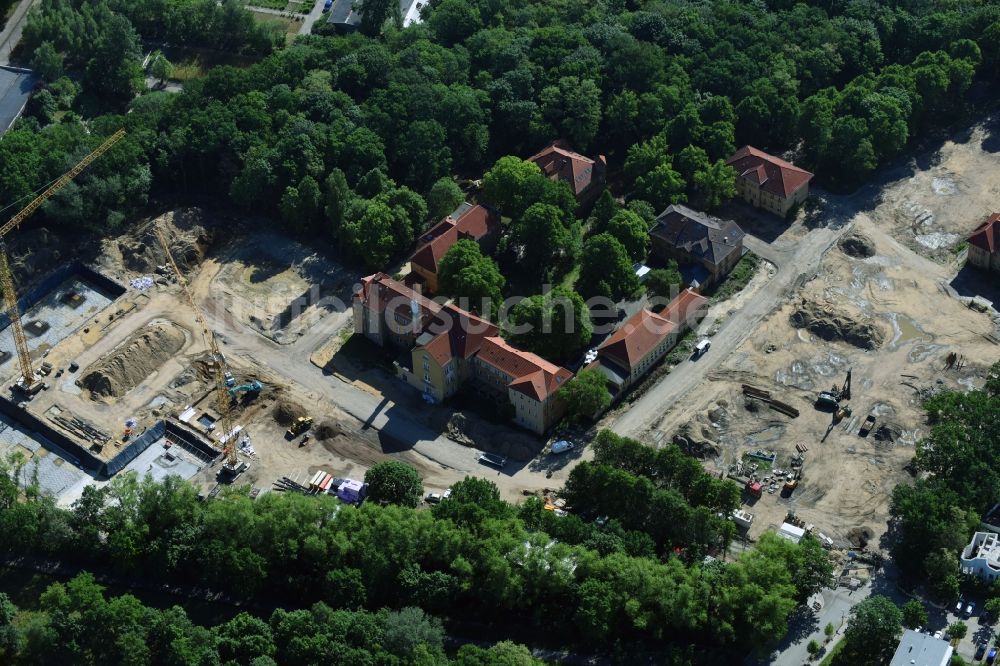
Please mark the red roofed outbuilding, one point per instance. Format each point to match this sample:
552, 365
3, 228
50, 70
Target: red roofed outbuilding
585, 176
984, 244
769, 182
645, 338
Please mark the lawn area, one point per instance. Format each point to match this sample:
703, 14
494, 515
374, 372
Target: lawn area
831, 658
187, 69
740, 276
289, 25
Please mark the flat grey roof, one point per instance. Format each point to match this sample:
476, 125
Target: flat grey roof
917, 649
15, 89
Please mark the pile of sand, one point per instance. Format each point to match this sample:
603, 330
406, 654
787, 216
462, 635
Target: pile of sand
185, 232
134, 360
327, 430
831, 325
857, 245
285, 413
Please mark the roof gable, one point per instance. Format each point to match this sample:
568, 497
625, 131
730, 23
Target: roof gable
771, 173
532, 375
987, 235
636, 338
475, 223
578, 171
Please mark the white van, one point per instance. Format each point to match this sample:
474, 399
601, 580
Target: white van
703, 346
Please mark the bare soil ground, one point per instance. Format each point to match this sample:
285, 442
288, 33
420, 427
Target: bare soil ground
888, 318
943, 196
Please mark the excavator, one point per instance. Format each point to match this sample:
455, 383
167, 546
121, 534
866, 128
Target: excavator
252, 389
831, 399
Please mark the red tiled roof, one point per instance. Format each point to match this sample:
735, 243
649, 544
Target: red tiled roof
475, 223
379, 292
987, 235
461, 334
682, 309
558, 162
533, 375
773, 174
636, 337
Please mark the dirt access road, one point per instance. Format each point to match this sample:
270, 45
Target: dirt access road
399, 430
796, 255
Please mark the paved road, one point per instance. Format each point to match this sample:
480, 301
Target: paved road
793, 259
317, 11
11, 33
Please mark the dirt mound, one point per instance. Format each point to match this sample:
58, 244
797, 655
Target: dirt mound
286, 412
327, 430
185, 232
857, 245
141, 354
832, 325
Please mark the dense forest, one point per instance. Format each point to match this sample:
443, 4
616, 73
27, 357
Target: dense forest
606, 577
354, 139
76, 623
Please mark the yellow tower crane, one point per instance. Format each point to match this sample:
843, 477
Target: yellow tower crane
30, 383
232, 465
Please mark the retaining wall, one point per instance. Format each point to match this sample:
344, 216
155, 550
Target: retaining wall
29, 298
53, 439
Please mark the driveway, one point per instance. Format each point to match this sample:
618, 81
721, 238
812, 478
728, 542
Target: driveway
313, 16
796, 261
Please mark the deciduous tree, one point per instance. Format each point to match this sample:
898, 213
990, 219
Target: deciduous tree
394, 482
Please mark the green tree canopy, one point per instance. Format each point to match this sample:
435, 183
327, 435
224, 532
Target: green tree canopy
632, 232
557, 324
606, 270
873, 629
586, 395
394, 482
464, 273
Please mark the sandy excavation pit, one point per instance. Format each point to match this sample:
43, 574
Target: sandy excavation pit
934, 209
134, 360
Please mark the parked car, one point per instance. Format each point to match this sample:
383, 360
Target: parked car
991, 656
703, 346
980, 651
958, 606
493, 459
970, 609
446, 494
433, 498
562, 446
938, 634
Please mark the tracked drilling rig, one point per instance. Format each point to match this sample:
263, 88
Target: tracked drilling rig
232, 466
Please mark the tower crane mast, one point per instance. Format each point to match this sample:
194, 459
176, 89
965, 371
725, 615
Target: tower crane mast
219, 371
29, 382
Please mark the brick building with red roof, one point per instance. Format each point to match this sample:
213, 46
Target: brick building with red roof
645, 338
477, 223
769, 182
444, 347
984, 244
529, 381
585, 176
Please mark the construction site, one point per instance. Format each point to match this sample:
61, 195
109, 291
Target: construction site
118, 366
195, 346
816, 413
